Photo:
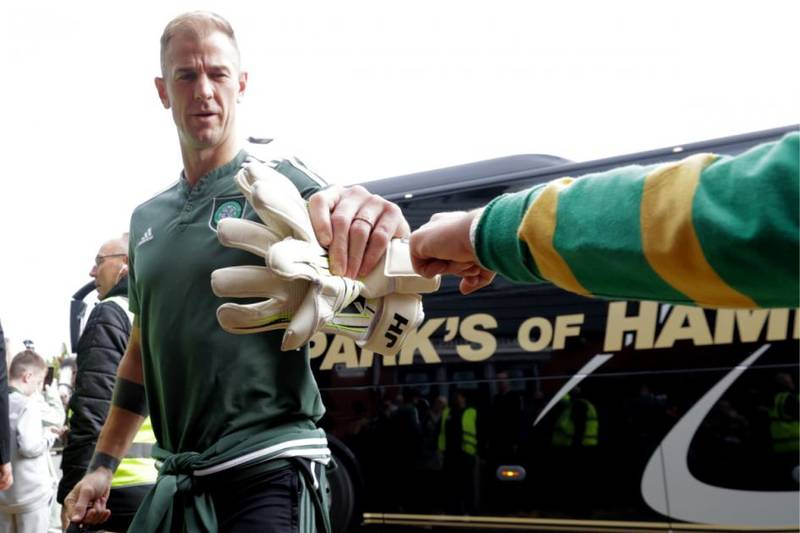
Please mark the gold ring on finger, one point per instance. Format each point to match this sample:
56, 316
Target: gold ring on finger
364, 219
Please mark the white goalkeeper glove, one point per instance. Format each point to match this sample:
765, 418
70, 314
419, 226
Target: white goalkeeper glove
377, 311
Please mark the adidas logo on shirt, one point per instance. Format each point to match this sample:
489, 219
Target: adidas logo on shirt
148, 236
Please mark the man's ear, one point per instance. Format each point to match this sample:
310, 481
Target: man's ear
123, 270
242, 86
161, 87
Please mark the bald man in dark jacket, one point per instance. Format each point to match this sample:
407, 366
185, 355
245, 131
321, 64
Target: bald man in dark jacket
100, 349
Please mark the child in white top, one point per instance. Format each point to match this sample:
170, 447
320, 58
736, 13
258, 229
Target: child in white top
25, 507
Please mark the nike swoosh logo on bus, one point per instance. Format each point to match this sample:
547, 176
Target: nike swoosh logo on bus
690, 499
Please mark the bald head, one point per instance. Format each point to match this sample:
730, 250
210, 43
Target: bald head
117, 245
110, 264
197, 24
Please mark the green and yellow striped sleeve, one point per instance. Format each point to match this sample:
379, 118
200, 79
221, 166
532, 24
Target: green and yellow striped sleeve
709, 230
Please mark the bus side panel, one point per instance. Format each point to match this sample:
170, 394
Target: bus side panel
532, 405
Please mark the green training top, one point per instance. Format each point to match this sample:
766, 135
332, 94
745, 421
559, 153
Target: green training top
202, 383
709, 230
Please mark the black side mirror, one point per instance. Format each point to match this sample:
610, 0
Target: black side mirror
77, 308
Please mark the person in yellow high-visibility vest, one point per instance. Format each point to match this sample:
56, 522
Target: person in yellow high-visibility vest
577, 425
458, 444
573, 456
784, 426
784, 429
137, 467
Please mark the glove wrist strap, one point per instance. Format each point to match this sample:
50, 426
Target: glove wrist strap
399, 315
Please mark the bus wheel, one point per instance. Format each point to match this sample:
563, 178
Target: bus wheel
344, 480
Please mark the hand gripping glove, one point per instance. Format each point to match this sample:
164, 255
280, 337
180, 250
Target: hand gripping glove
302, 295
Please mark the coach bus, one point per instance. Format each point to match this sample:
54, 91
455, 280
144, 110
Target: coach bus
530, 408
563, 412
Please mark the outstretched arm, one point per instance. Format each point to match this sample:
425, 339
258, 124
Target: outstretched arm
709, 230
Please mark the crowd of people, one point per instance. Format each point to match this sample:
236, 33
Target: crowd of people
61, 406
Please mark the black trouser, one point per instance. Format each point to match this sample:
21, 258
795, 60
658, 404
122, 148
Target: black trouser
123, 503
277, 503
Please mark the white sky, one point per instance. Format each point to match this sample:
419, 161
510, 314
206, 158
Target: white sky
361, 90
